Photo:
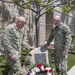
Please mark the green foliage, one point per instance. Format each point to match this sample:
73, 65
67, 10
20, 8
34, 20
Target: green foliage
73, 44
26, 6
39, 0
73, 39
66, 9
32, 67
68, 6
30, 1
4, 66
23, 55
50, 10
43, 4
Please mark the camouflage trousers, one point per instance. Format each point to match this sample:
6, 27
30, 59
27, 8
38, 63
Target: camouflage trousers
61, 64
15, 66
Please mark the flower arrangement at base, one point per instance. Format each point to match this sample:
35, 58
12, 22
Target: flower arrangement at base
40, 68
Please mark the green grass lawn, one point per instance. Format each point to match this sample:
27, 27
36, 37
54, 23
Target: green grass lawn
71, 60
4, 67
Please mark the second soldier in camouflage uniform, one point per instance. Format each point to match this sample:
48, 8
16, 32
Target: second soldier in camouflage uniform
12, 45
62, 40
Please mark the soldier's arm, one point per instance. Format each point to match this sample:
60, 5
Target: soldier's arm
7, 42
50, 38
67, 38
25, 46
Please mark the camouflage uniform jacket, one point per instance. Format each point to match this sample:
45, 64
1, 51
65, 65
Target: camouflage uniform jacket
61, 36
12, 42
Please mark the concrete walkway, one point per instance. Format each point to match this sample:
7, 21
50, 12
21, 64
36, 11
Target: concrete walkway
72, 71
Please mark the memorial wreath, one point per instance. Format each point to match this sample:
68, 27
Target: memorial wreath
40, 68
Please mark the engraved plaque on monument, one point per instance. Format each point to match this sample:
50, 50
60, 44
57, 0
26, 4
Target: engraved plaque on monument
40, 57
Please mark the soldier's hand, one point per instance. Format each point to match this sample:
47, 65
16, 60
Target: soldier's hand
32, 48
14, 57
45, 45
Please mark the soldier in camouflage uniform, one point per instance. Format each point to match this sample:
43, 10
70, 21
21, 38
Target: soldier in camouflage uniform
12, 45
62, 41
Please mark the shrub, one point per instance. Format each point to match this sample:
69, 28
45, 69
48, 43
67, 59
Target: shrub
73, 42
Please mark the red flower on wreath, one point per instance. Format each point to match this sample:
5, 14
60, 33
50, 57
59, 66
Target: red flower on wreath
50, 70
39, 66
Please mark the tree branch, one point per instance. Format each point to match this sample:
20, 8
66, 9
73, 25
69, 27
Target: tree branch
50, 9
48, 5
24, 6
7, 1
